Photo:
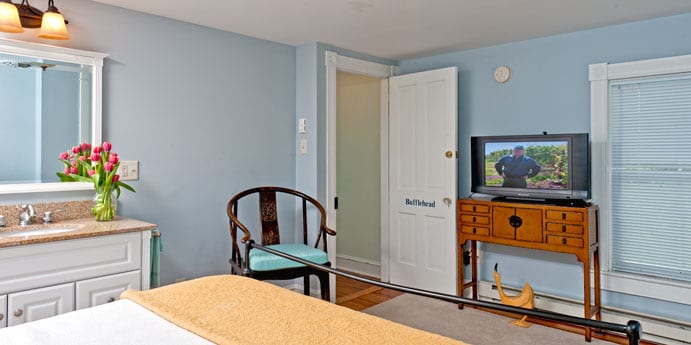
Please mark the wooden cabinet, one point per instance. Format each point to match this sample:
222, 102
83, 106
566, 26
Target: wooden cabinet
571, 230
46, 279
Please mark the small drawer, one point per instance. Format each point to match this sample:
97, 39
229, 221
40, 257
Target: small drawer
565, 241
474, 208
475, 230
569, 216
469, 218
565, 228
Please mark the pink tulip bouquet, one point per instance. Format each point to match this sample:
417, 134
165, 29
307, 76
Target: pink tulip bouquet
99, 166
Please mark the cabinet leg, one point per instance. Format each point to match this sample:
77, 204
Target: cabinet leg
596, 269
586, 294
473, 264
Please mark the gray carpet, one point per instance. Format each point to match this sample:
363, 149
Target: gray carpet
469, 325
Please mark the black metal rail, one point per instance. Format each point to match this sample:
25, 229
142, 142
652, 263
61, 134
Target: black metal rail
632, 329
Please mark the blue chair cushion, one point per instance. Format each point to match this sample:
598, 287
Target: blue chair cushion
263, 261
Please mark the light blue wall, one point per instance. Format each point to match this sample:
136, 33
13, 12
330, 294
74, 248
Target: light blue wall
549, 91
207, 113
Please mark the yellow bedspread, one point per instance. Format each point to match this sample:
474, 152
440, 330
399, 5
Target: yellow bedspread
237, 310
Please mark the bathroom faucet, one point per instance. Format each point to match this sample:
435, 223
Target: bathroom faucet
28, 212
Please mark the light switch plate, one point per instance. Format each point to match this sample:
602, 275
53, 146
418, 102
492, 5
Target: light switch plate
302, 125
129, 170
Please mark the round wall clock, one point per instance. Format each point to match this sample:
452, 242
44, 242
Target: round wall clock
502, 74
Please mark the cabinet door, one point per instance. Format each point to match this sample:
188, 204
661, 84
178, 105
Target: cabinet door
32, 305
93, 292
501, 226
3, 311
531, 227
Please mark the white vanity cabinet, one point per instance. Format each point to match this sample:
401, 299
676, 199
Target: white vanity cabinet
46, 279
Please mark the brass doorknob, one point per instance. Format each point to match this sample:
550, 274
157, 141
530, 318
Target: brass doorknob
447, 201
18, 312
449, 154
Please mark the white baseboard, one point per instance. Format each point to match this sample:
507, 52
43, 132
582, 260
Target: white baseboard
655, 328
358, 265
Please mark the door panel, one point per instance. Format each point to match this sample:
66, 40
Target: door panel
32, 305
422, 179
500, 220
531, 229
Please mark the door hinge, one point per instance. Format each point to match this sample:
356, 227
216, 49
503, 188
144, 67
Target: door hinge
336, 203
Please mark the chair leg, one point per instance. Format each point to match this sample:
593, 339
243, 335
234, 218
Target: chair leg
307, 285
324, 286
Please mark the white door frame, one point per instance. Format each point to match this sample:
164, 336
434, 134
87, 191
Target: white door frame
334, 63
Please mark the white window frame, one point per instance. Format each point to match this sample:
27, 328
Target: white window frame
600, 76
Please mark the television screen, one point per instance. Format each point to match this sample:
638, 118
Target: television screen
553, 166
527, 164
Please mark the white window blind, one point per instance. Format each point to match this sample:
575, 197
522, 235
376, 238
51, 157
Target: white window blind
650, 176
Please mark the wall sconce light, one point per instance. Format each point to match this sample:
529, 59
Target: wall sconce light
14, 18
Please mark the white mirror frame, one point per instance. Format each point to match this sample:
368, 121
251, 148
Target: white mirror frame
93, 59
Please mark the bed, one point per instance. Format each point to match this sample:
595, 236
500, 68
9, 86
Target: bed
231, 309
224, 309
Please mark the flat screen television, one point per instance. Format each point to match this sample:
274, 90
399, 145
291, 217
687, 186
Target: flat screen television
542, 167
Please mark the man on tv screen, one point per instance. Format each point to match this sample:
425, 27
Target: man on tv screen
516, 168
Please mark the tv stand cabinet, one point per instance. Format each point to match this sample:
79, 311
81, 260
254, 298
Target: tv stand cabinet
561, 229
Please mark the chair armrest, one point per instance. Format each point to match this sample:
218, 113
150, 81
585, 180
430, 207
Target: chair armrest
328, 230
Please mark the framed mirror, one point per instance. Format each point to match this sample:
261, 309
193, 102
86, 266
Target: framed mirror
50, 100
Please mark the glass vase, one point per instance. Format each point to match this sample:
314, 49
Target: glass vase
104, 206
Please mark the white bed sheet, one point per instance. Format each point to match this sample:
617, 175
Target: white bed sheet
117, 323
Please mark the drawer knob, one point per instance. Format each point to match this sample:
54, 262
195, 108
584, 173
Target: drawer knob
563, 228
474, 208
563, 241
474, 219
474, 230
18, 312
112, 299
563, 216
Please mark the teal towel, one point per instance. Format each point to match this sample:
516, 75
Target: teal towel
156, 249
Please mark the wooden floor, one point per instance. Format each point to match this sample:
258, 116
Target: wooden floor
358, 295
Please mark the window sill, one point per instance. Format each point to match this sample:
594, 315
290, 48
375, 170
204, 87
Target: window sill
637, 285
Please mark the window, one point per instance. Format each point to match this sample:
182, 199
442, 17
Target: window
650, 176
641, 150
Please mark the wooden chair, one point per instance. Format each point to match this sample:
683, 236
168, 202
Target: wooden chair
262, 265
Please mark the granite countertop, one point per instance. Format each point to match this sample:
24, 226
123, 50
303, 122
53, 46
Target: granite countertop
86, 227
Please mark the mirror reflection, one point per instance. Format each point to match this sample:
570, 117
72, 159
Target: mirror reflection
45, 108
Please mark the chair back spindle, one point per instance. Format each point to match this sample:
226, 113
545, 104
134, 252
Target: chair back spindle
269, 218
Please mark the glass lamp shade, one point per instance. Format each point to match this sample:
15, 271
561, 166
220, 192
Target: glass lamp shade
9, 18
53, 27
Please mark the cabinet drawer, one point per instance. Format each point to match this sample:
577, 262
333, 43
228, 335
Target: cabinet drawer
475, 230
469, 218
570, 216
35, 265
474, 208
565, 240
565, 228
101, 290
3, 311
37, 304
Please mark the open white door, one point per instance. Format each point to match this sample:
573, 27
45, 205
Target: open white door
422, 180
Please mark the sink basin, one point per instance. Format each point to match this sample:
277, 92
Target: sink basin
39, 231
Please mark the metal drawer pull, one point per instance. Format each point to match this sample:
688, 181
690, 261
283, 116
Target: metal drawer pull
112, 299
2, 317
18, 312
563, 241
474, 208
563, 228
474, 230
474, 219
563, 216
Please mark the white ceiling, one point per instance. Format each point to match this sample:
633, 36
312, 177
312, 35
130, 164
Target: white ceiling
399, 29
